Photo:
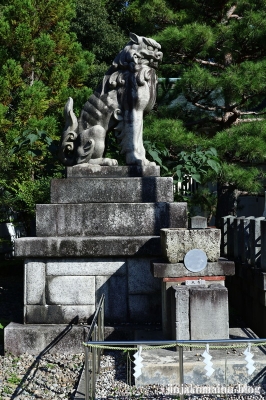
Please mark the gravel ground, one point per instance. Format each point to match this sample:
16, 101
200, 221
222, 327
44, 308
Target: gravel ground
114, 383
50, 377
53, 376
56, 376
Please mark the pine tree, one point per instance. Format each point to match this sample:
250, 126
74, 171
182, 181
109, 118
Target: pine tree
96, 25
41, 64
218, 49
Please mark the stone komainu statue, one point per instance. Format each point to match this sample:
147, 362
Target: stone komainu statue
128, 90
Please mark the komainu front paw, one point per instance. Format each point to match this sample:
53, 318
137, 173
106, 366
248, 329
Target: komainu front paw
109, 161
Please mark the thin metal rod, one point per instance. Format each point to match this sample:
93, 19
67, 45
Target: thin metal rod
175, 342
181, 372
94, 350
86, 373
94, 321
99, 328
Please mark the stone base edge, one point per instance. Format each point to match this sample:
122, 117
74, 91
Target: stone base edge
96, 246
38, 339
222, 267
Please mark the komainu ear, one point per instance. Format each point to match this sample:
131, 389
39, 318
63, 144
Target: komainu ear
134, 37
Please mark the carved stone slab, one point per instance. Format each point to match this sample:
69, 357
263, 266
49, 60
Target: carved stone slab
96, 171
177, 242
112, 190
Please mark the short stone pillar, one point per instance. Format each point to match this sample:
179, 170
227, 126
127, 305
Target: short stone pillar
209, 317
180, 312
198, 222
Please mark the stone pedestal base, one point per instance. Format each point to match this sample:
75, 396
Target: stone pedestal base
49, 338
57, 291
199, 313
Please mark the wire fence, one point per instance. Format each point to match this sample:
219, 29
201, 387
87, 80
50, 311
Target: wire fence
179, 345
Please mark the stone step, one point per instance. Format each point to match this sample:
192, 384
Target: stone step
112, 190
94, 246
98, 171
109, 219
167, 270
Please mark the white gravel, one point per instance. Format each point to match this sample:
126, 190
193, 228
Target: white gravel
53, 376
56, 376
114, 383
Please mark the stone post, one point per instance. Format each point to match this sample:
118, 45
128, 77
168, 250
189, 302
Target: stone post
180, 312
255, 241
237, 240
244, 240
209, 312
198, 222
263, 245
227, 245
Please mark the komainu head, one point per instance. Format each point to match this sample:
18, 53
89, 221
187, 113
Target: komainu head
138, 52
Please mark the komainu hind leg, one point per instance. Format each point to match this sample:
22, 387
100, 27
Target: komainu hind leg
92, 147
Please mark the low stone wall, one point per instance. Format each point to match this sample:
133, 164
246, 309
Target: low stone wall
57, 291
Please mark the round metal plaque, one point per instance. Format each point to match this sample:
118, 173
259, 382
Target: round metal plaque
195, 260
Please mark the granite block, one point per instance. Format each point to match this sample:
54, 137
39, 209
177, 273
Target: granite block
218, 268
34, 282
112, 190
115, 290
97, 171
209, 313
140, 278
177, 242
180, 312
145, 307
97, 246
103, 219
83, 267
58, 314
37, 339
70, 290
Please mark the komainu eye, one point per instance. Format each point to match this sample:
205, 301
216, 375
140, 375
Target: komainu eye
150, 48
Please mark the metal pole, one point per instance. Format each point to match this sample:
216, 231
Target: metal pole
181, 373
99, 329
93, 365
86, 373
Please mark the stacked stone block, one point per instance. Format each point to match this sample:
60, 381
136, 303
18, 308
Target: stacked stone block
193, 312
97, 236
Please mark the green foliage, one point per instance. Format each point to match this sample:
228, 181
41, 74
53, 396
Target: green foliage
218, 50
41, 65
158, 153
197, 164
207, 199
14, 379
98, 31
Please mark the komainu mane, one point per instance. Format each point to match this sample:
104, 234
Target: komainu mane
128, 90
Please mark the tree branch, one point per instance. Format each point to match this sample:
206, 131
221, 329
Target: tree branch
230, 14
204, 62
252, 113
241, 121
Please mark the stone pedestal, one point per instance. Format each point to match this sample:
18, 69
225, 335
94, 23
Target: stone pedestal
199, 312
195, 301
98, 235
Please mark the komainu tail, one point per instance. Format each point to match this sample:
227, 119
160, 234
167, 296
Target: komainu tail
67, 144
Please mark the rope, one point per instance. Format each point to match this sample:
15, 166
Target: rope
166, 346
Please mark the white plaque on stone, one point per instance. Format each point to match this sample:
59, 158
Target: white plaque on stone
195, 260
